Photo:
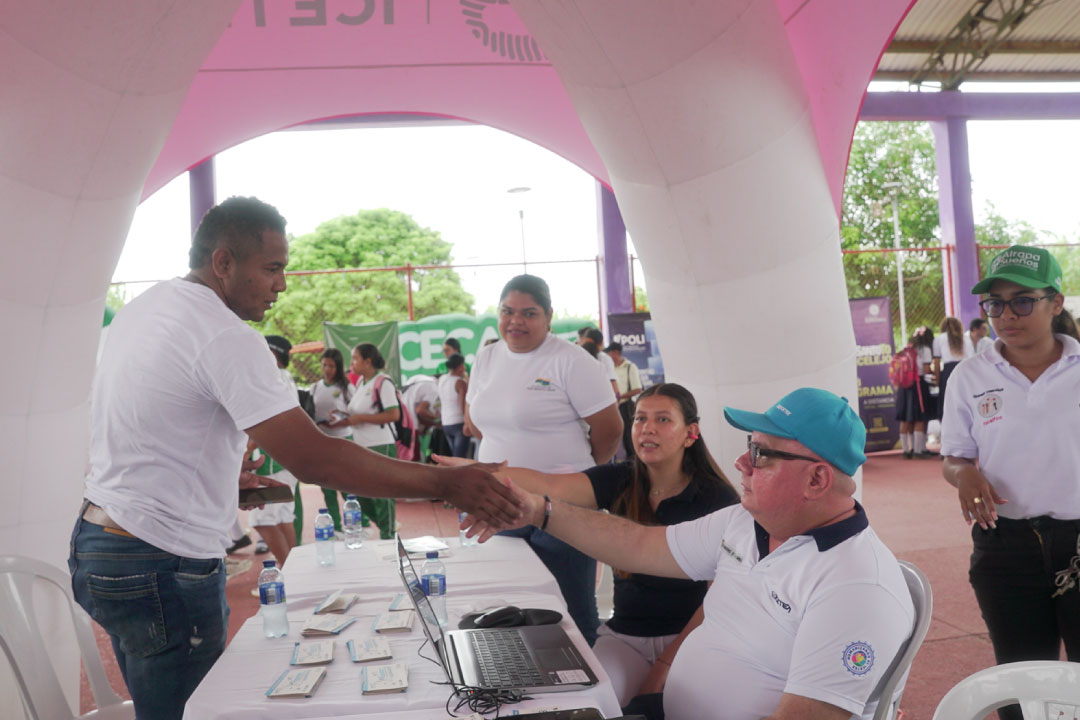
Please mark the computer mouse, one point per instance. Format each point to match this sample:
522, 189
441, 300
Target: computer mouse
506, 616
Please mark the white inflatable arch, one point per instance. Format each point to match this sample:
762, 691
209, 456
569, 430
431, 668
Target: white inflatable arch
723, 128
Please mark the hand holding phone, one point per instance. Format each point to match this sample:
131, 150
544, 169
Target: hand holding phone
253, 497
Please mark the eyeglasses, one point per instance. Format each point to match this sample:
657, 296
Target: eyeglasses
1022, 305
757, 452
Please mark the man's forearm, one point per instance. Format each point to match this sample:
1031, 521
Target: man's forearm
619, 542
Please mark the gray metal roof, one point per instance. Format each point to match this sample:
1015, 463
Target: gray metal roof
949, 42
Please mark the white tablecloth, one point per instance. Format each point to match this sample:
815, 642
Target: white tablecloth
503, 571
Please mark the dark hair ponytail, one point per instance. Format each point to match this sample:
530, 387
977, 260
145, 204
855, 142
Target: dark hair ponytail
339, 368
370, 352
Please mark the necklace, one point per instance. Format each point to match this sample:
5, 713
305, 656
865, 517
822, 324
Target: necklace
655, 492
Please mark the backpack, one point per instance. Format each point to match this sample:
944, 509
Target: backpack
903, 368
404, 428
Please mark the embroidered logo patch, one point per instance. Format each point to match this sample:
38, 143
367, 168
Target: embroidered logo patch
858, 658
541, 383
989, 405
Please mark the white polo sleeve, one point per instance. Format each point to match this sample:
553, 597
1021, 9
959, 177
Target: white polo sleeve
956, 420
695, 544
387, 394
634, 376
845, 643
238, 370
586, 383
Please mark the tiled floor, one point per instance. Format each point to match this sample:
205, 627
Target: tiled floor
910, 507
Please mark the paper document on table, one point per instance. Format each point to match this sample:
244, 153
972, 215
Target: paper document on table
393, 622
325, 625
313, 653
423, 545
364, 649
336, 602
384, 678
297, 683
400, 602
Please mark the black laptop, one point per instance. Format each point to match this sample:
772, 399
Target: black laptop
532, 658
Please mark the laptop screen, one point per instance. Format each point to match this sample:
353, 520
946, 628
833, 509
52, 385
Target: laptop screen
423, 608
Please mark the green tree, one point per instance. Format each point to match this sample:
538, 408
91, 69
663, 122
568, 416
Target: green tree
368, 239
641, 299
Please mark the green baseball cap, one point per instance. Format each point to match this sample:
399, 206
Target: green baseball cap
1030, 267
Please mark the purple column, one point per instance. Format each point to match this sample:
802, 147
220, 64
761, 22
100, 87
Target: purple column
615, 276
957, 219
201, 190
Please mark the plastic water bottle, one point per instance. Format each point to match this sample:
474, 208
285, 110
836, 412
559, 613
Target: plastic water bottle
272, 600
433, 580
352, 518
465, 541
324, 538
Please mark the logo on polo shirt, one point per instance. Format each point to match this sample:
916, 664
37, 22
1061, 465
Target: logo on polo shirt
541, 383
783, 605
858, 658
730, 550
989, 405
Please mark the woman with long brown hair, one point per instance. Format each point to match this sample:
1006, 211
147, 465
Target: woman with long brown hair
672, 479
949, 348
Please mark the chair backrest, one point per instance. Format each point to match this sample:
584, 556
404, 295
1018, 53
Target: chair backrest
1037, 686
24, 645
922, 597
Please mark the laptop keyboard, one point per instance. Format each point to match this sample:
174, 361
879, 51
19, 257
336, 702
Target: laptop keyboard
504, 660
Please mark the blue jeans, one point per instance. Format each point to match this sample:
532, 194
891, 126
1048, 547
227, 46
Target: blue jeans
166, 615
575, 573
459, 443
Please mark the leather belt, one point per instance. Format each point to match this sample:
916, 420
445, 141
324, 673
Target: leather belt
95, 515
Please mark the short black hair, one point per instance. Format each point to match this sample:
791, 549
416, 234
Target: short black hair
614, 346
530, 285
236, 224
371, 352
453, 342
976, 324
582, 330
455, 361
596, 336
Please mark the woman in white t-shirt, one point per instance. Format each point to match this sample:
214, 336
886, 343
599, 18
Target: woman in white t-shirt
452, 387
915, 405
370, 420
542, 403
950, 347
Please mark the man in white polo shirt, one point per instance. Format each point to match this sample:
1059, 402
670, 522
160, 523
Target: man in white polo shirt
183, 382
807, 607
1011, 450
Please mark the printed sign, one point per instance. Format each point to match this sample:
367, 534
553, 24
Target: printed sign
872, 319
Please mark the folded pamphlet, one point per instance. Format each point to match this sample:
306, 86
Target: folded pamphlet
299, 683
372, 648
325, 625
400, 602
393, 622
390, 678
312, 653
336, 602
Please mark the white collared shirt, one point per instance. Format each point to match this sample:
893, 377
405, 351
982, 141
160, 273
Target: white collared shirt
1023, 433
822, 617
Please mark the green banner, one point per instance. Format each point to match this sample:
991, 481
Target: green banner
419, 343
382, 335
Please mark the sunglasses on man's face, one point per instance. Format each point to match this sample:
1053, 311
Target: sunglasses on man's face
757, 452
1021, 306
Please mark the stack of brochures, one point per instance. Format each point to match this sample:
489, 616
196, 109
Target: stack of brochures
299, 683
390, 678
313, 653
322, 625
336, 602
365, 649
389, 622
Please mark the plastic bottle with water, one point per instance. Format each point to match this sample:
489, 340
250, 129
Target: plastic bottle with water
352, 518
465, 541
324, 538
433, 580
272, 601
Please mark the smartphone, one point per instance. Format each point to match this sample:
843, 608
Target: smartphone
251, 497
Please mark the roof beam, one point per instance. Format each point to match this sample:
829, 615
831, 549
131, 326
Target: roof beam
929, 106
986, 76
985, 25
1010, 47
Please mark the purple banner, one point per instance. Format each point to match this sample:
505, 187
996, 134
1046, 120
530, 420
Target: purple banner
636, 334
872, 319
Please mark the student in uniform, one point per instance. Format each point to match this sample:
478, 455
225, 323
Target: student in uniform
331, 397
1009, 437
915, 406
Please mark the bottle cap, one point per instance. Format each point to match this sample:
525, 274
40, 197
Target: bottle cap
432, 554
350, 497
269, 563
323, 510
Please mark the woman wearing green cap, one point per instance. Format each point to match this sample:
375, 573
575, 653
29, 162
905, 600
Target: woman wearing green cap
1009, 437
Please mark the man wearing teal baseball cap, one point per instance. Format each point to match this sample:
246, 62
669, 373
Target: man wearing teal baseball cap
1009, 442
807, 607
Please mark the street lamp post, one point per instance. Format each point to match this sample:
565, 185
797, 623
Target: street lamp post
521, 224
894, 186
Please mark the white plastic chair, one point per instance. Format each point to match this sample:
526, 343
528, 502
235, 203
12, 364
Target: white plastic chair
1035, 685
922, 597
24, 645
